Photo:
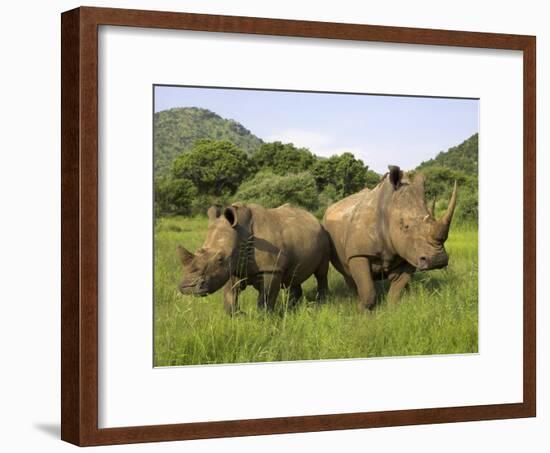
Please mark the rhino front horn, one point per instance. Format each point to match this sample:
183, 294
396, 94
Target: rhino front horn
184, 255
448, 216
440, 229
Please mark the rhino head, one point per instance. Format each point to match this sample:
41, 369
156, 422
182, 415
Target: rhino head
210, 267
415, 233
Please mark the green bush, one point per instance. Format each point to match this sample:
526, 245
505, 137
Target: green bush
271, 190
439, 185
327, 197
467, 206
174, 196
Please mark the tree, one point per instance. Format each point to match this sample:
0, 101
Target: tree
372, 179
350, 174
346, 173
282, 159
214, 167
271, 190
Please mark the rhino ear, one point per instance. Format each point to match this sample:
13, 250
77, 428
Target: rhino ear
185, 255
238, 214
395, 176
230, 213
214, 212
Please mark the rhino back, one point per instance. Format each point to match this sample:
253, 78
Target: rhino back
290, 240
355, 225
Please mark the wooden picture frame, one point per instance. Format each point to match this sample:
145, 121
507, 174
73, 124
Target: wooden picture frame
79, 166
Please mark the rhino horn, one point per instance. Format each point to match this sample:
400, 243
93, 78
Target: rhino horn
441, 227
185, 255
213, 212
431, 209
448, 216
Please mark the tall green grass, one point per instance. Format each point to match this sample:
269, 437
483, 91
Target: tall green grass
437, 314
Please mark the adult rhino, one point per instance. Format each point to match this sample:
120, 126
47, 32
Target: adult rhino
387, 232
265, 248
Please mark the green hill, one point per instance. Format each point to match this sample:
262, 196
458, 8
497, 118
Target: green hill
461, 158
459, 164
177, 129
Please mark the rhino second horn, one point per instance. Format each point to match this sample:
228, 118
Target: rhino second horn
431, 209
184, 254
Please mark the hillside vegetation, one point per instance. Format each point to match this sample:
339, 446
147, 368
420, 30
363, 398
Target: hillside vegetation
458, 164
219, 172
463, 157
203, 159
176, 131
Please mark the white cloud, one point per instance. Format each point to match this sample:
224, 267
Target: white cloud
317, 143
301, 138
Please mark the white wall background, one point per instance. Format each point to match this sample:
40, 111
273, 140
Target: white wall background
30, 228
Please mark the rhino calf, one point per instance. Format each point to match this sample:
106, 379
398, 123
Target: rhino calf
265, 248
387, 232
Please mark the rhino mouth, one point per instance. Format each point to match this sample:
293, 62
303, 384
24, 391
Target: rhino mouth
194, 289
426, 263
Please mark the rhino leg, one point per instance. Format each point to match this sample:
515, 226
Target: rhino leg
398, 280
321, 275
231, 292
294, 296
360, 270
350, 283
268, 286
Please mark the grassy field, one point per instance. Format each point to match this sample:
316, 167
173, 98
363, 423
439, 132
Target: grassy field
437, 314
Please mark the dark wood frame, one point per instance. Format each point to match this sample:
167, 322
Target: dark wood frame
79, 169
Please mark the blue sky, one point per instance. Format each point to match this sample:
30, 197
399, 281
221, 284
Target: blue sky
380, 130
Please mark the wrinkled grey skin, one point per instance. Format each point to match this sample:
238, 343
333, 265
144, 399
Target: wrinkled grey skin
265, 248
387, 232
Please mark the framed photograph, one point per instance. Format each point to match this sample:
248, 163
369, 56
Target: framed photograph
277, 226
